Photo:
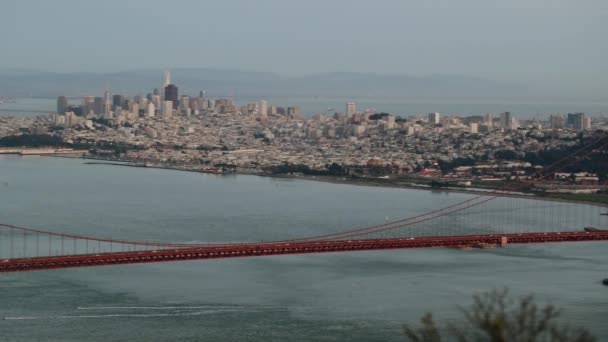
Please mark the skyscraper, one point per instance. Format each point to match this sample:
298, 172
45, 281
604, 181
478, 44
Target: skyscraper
98, 105
87, 105
166, 82
351, 108
171, 94
576, 121
117, 101
62, 104
107, 104
167, 110
434, 118
506, 120
263, 109
489, 120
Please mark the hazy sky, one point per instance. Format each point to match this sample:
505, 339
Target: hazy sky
527, 40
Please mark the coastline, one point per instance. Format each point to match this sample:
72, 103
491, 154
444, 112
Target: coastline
344, 181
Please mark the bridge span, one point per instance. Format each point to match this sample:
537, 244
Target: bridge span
309, 247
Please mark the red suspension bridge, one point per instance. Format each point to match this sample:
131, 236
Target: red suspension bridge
492, 219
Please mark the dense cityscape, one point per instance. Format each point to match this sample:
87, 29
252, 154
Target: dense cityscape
197, 133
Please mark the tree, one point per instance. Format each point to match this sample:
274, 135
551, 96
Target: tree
495, 317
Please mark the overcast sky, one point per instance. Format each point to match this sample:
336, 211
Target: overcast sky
522, 40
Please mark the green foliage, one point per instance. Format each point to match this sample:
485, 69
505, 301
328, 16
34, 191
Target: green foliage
333, 169
495, 317
31, 140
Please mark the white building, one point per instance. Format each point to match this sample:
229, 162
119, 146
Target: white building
474, 127
263, 109
434, 118
167, 110
351, 108
150, 110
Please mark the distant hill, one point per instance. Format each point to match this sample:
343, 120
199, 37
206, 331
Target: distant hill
221, 82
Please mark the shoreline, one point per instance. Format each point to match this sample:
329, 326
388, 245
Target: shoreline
344, 181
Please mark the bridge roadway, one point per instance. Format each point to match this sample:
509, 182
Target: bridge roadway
309, 247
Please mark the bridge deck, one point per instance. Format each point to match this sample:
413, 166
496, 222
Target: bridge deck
266, 249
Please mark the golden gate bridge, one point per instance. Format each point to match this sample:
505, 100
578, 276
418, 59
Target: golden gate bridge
29, 249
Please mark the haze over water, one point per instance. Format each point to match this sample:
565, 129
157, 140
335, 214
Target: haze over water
362, 296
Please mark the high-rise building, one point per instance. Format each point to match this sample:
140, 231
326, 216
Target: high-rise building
166, 82
489, 120
576, 121
434, 118
98, 105
107, 104
474, 127
117, 101
293, 111
184, 103
506, 120
88, 103
556, 121
167, 110
351, 108
587, 123
263, 108
171, 94
62, 104
150, 110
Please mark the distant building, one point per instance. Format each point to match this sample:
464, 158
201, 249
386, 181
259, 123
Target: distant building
62, 104
506, 120
184, 103
474, 127
167, 110
98, 107
489, 120
294, 111
351, 109
434, 118
263, 108
117, 101
576, 121
171, 94
87, 104
107, 103
556, 121
587, 123
150, 110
